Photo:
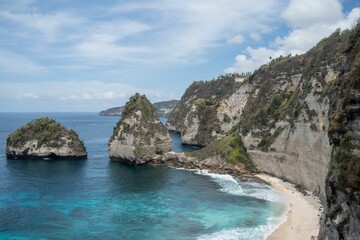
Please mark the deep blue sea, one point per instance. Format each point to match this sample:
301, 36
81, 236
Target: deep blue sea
99, 199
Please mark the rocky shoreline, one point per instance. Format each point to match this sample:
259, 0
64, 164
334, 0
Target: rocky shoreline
213, 164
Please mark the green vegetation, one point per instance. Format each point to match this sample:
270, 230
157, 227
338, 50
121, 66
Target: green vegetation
343, 95
230, 148
46, 131
269, 139
345, 166
226, 119
313, 127
211, 91
275, 98
147, 125
140, 103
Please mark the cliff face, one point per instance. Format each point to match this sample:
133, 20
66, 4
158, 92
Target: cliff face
44, 138
342, 218
208, 110
302, 124
163, 109
139, 136
299, 118
285, 122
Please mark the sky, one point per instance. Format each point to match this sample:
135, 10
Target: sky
89, 55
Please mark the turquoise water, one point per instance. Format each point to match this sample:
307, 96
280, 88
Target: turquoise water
99, 199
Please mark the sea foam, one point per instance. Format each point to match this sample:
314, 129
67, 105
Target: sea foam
228, 184
255, 233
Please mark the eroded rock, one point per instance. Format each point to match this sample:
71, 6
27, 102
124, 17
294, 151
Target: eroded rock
139, 136
44, 138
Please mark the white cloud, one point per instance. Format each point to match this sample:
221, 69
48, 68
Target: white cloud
256, 58
71, 95
185, 30
103, 41
29, 95
255, 36
237, 39
49, 25
17, 4
15, 63
168, 32
302, 39
106, 96
304, 13
303, 36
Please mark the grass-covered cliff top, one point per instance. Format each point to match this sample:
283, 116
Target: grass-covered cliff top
213, 91
46, 131
230, 148
140, 103
146, 126
276, 96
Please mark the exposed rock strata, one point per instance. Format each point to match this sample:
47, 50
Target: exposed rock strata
342, 218
208, 110
44, 138
139, 135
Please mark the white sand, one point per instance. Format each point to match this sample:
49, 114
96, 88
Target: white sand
303, 217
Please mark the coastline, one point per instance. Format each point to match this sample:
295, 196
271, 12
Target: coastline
303, 213
303, 217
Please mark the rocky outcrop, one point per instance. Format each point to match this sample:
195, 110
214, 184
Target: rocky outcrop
163, 109
139, 135
44, 138
208, 110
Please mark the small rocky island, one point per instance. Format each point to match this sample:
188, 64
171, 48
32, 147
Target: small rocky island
45, 138
139, 136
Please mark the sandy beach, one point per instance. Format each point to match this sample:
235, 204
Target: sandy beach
303, 216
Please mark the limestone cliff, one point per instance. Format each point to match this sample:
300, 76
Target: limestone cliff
285, 123
299, 118
139, 135
208, 110
342, 218
44, 138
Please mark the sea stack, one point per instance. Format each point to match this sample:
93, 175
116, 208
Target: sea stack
139, 136
45, 138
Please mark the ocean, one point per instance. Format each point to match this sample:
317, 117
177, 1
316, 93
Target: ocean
99, 199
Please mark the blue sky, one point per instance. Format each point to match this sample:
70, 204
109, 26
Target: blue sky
63, 55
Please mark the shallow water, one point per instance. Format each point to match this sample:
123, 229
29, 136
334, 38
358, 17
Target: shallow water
96, 198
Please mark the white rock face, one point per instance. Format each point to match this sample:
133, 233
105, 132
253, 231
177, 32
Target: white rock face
139, 136
188, 136
28, 150
230, 109
226, 116
300, 154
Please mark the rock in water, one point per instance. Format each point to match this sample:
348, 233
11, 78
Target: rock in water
139, 136
45, 138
